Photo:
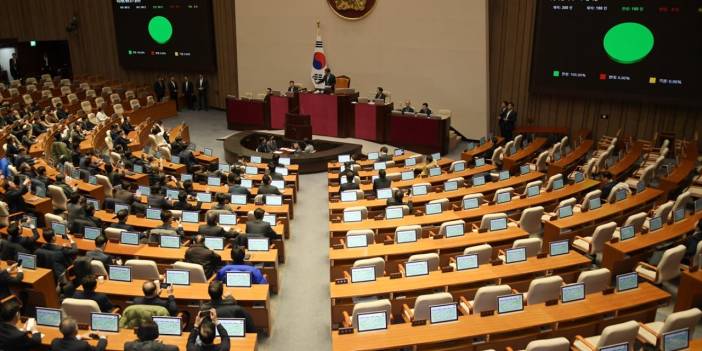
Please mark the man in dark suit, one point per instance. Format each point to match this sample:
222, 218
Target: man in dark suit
147, 333
99, 252
211, 228
58, 257
7, 279
292, 88
203, 334
501, 117
16, 242
198, 253
88, 293
258, 226
235, 188
173, 90
266, 188
329, 81
71, 341
188, 92
350, 184
159, 89
151, 297
157, 200
381, 182
14, 71
408, 107
122, 216
14, 194
510, 121
13, 338
383, 155
379, 95
202, 86
226, 305
271, 172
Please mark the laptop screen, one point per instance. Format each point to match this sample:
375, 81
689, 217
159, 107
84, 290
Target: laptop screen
498, 224
214, 242
284, 161
356, 241
348, 195
558, 247
565, 211
28, 261
258, 244
224, 167
235, 327
214, 181
340, 158
108, 322
419, 190
274, 200
478, 180
247, 183
270, 219
94, 202
436, 156
655, 223
398, 152
510, 303
454, 230
406, 236
281, 170
120, 273
450, 185
434, 171
186, 177
679, 214
470, 203
443, 313
410, 161
238, 279
373, 155
362, 274
504, 175
621, 195
227, 219
92, 180
190, 216
533, 190
91, 233
416, 268
372, 321
640, 187
169, 241
503, 197
153, 213
144, 190
524, 169
50, 317
352, 216
407, 175
129, 238
624, 346
579, 177
175, 159
557, 184
172, 194
177, 277
676, 340
168, 325
627, 281
479, 162
238, 199
251, 170
573, 292
626, 232
280, 184
204, 197
58, 228
464, 262
384, 193
433, 208
459, 166
594, 203
379, 165
256, 159
394, 212
514, 255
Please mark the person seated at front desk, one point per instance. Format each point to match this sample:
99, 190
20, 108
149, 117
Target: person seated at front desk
258, 226
329, 81
152, 297
239, 265
200, 254
379, 95
428, 164
383, 155
71, 341
12, 337
350, 184
397, 199
292, 88
408, 107
147, 334
226, 305
166, 228
425, 109
88, 293
381, 182
235, 188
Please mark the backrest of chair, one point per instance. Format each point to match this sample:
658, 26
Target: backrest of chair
31, 88
58, 198
27, 99
669, 266
648, 174
383, 305
613, 193
118, 109
46, 94
343, 82
4, 214
113, 234
423, 303
497, 155
143, 269
486, 297
106, 184
84, 86
442, 227
79, 309
531, 219
65, 81
551, 180
485, 221
478, 196
682, 200
85, 106
363, 209
508, 147
370, 235
681, 320
696, 258
483, 251
664, 210
90, 93
590, 167
591, 195
508, 189
518, 141
99, 101
415, 227
571, 201
595, 280
432, 259
129, 94
555, 344
405, 208
106, 90
72, 98
454, 164
114, 98
443, 201
532, 245
150, 100
544, 289
619, 333
601, 235
637, 220
538, 183
65, 90
13, 91
197, 273
377, 262
134, 104
98, 268
52, 218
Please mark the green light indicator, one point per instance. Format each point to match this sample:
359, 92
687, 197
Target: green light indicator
160, 29
628, 42
556, 73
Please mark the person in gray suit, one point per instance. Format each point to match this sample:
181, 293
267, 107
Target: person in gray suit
266, 188
235, 188
99, 252
147, 333
258, 226
381, 182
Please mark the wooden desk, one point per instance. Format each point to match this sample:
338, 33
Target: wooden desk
584, 223
586, 318
511, 162
368, 164
41, 205
469, 155
689, 291
116, 341
621, 168
565, 164
622, 257
42, 281
684, 169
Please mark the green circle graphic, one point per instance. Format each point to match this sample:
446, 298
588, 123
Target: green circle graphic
628, 42
160, 29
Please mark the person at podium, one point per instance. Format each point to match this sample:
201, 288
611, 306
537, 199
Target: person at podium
329, 81
292, 88
408, 107
379, 95
425, 109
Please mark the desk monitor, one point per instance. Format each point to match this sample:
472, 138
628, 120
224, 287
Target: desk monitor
557, 184
214, 243
470, 146
94, 202
470, 203
235, 327
443, 313
177, 277
185, 177
190, 216
514, 255
465, 262
478, 180
573, 292
129, 238
620, 195
594, 203
450, 185
214, 181
379, 165
238, 279
353, 216
373, 156
91, 233
384, 193
479, 162
40, 191
227, 219
270, 219
406, 236
624, 346
434, 171
175, 159
348, 195
282, 171
50, 317
433, 208
676, 340
153, 213
416, 268
398, 152
251, 170
556, 156
208, 152
28, 261
565, 211
482, 141
172, 194
510, 303
58, 228
247, 183
340, 158
533, 190
169, 241
274, 200
238, 199
284, 161
372, 321
224, 167
503, 197
256, 159
394, 212
138, 169
498, 224
410, 161
524, 169
258, 244
419, 190
655, 223
627, 281
120, 273
203, 197
578, 176
436, 156
343, 180
460, 166
407, 175
144, 190
504, 175
626, 232
558, 247
698, 205
362, 274
679, 214
107, 322
280, 184
359, 240
454, 230
92, 180
640, 187
169, 325
512, 149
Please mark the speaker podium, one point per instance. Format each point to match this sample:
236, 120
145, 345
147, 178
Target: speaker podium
298, 126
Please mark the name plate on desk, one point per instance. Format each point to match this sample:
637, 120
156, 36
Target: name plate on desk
395, 275
343, 331
341, 281
419, 322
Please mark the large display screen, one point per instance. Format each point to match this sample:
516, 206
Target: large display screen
628, 50
167, 35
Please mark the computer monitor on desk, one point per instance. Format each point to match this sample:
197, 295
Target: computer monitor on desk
384, 193
356, 240
676, 340
406, 236
168, 325
362, 274
558, 247
352, 216
372, 321
235, 327
498, 224
465, 262
510, 303
416, 268
514, 255
627, 281
50, 317
106, 322
573, 292
443, 313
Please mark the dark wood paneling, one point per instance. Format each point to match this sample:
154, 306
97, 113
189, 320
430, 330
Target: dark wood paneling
93, 46
511, 35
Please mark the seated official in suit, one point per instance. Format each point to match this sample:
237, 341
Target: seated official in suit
157, 200
14, 193
122, 216
74, 208
329, 81
272, 173
166, 228
235, 188
608, 184
425, 109
292, 88
211, 228
203, 334
408, 107
152, 294
8, 279
379, 95
198, 253
381, 182
266, 188
397, 199
56, 257
71, 341
383, 155
221, 203
99, 252
239, 265
350, 184
226, 305
88, 293
147, 334
12, 337
259, 226
183, 205
16, 242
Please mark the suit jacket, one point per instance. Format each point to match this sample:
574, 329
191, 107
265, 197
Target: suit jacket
158, 201
380, 183
57, 258
293, 89
15, 199
173, 88
268, 189
73, 344
384, 157
100, 256
151, 345
12, 338
510, 116
239, 190
194, 346
349, 186
258, 226
102, 300
208, 259
379, 96
159, 88
6, 280
204, 86
188, 88
211, 230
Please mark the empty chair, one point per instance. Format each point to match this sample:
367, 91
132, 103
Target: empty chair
585, 204
696, 258
99, 101
614, 334
65, 90
613, 193
650, 333
15, 83
86, 106
45, 77
98, 268
443, 201
405, 208
14, 92
444, 225
46, 94
593, 245
370, 235
134, 104
531, 184
552, 179
532, 245
555, 344
31, 88
4, 214
682, 201
84, 86
143, 269
647, 177
544, 289
383, 305
119, 110
27, 99
508, 189
422, 304
150, 101
662, 211
377, 262
478, 196
48, 85
197, 272
497, 155
106, 184
79, 309
129, 94
432, 259
590, 167
455, 164
459, 180
667, 269
58, 197
115, 99
90, 93
636, 220
106, 90
530, 220
486, 298
363, 209
485, 221
109, 144
508, 147
65, 81
72, 98
483, 251
518, 141
595, 280
30, 80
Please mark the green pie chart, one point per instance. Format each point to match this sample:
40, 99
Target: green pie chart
160, 29
628, 42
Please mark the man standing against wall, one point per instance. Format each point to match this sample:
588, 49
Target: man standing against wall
188, 91
202, 86
173, 90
